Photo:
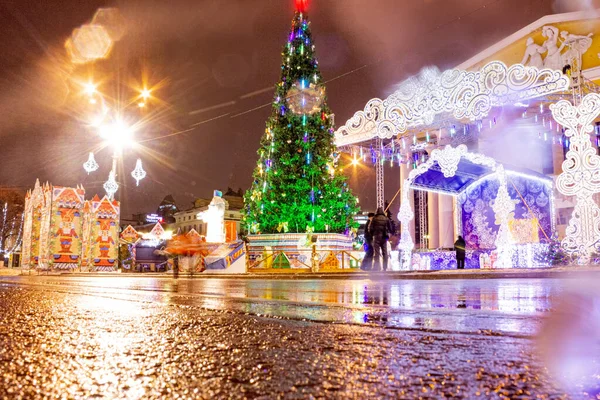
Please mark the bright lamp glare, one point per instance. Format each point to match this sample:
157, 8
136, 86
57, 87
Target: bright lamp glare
355, 161
118, 134
90, 89
145, 94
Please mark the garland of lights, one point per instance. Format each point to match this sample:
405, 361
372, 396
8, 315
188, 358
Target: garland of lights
580, 176
464, 94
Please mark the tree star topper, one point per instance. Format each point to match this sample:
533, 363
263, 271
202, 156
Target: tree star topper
301, 5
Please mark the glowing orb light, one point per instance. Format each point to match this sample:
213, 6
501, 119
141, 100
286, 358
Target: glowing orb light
304, 98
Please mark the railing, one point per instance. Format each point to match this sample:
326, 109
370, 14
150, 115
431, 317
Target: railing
314, 259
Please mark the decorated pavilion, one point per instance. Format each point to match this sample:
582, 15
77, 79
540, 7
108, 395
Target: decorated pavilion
501, 150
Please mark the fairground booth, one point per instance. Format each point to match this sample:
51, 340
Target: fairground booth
501, 150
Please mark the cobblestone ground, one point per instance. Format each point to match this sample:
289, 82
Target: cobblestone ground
59, 344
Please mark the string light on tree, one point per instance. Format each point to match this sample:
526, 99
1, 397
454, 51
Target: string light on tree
297, 156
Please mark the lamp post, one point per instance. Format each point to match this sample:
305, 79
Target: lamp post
116, 133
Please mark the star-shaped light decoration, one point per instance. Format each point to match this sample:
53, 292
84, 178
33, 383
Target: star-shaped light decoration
138, 173
111, 186
90, 165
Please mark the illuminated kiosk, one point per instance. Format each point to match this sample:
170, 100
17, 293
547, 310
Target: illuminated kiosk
433, 105
220, 252
144, 249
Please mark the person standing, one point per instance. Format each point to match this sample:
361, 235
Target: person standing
379, 228
460, 248
367, 262
176, 267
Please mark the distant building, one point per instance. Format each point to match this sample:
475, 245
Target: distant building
187, 220
164, 214
167, 210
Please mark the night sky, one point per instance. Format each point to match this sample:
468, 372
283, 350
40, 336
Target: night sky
217, 63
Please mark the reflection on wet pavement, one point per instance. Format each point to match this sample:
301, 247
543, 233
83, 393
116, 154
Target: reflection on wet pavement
508, 306
62, 342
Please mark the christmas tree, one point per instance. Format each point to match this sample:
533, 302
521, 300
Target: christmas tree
298, 184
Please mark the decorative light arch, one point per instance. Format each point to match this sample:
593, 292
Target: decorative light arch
464, 94
448, 160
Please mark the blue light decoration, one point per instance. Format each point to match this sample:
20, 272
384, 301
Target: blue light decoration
308, 158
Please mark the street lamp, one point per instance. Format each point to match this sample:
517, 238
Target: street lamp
116, 133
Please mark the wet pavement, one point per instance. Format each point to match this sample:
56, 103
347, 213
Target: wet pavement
120, 337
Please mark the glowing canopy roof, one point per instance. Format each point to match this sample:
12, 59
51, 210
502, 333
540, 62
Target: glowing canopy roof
468, 173
465, 95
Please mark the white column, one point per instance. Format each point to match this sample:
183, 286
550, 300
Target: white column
433, 229
456, 216
446, 220
404, 171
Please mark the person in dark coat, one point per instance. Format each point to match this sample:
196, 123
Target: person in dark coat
460, 248
367, 262
379, 228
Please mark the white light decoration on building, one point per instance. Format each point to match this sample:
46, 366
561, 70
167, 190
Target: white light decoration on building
111, 186
138, 173
90, 165
464, 94
504, 209
580, 175
215, 219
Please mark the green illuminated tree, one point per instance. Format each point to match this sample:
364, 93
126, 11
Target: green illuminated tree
298, 183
